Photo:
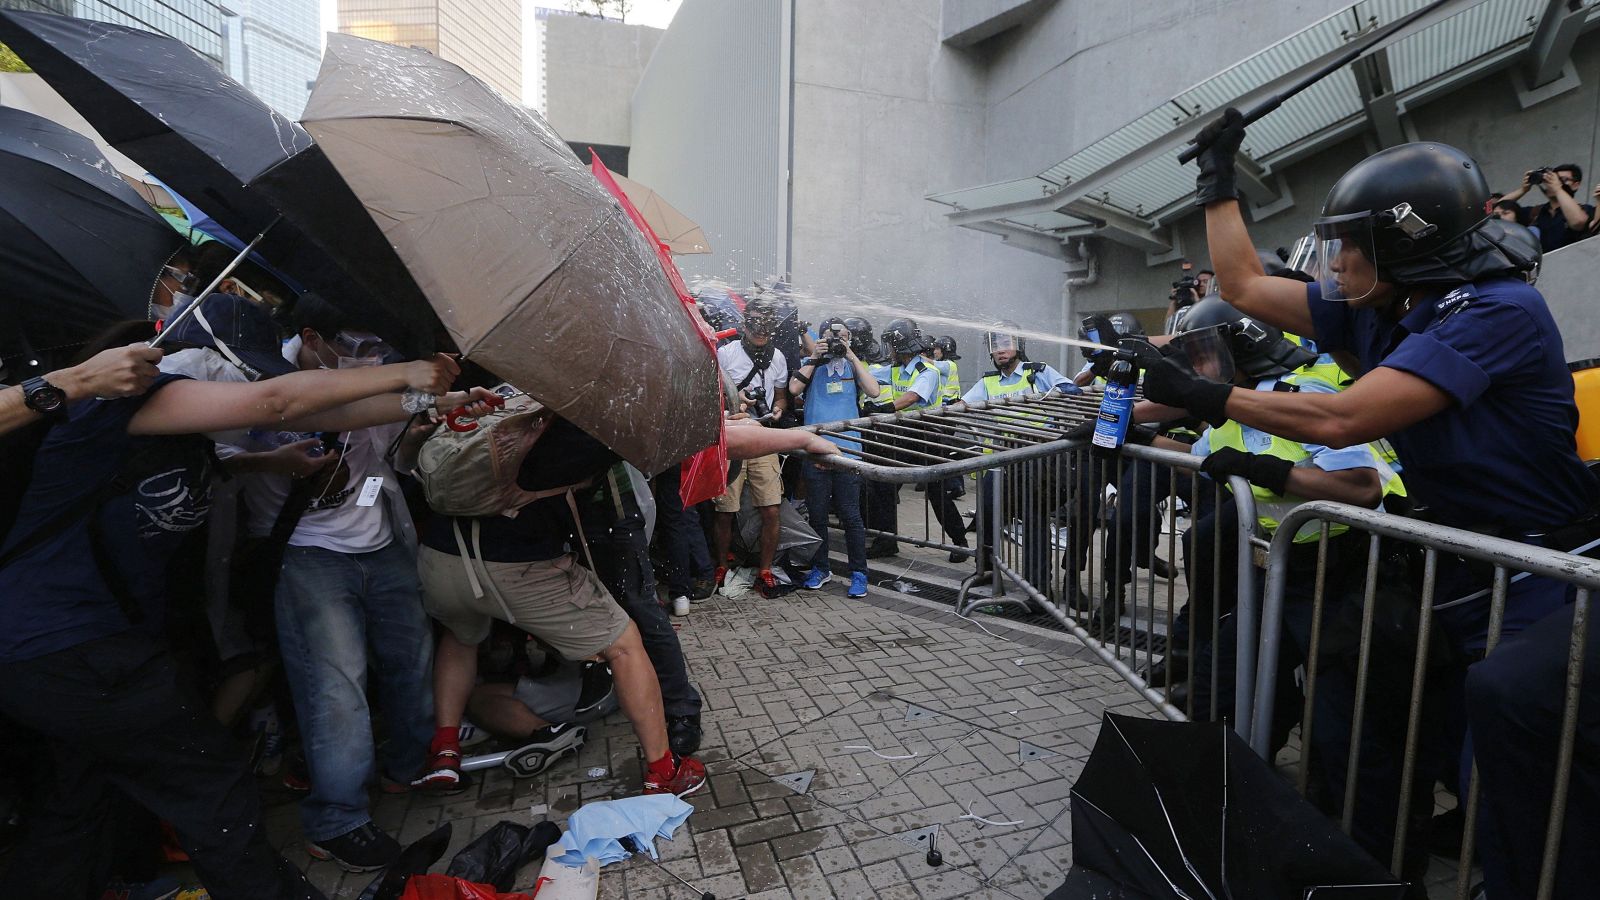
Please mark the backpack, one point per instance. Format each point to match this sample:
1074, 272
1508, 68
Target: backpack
474, 473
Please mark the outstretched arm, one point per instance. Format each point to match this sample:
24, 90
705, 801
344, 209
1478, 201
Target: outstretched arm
117, 372
1377, 405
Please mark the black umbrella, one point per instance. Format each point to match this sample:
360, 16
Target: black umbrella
173, 112
1185, 809
79, 250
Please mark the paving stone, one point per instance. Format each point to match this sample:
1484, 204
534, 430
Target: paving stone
759, 867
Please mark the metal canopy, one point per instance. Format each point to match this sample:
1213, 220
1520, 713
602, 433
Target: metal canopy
1128, 185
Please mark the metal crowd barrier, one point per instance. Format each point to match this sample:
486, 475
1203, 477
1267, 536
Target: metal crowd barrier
1506, 557
1052, 539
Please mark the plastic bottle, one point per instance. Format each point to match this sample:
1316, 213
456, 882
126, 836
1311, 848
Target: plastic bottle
1116, 406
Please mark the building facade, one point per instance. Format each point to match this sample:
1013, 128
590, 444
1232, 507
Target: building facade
197, 23
589, 68
983, 160
482, 36
274, 47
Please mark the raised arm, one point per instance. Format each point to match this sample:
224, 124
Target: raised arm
1243, 282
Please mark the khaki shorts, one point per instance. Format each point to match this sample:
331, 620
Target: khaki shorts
556, 600
765, 477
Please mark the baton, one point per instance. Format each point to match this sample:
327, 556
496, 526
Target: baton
166, 327
1276, 100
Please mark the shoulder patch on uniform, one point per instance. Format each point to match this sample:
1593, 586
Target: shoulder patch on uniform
995, 373
1457, 299
1033, 366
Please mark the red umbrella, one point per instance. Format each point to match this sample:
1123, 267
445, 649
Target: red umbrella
704, 475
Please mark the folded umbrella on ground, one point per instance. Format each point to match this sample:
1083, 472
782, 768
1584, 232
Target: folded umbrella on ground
1185, 809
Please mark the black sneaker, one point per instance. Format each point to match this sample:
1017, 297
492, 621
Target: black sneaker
597, 689
364, 848
543, 748
703, 589
882, 547
683, 734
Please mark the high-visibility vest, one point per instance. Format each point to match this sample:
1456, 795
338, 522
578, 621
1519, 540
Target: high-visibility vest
1270, 507
950, 387
901, 382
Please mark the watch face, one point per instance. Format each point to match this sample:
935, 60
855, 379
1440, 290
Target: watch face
44, 397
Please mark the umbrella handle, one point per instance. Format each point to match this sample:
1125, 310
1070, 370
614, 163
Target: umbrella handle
452, 419
725, 334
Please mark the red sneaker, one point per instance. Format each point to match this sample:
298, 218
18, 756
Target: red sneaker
442, 775
722, 572
767, 583
687, 776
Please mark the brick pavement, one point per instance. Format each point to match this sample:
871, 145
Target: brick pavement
998, 726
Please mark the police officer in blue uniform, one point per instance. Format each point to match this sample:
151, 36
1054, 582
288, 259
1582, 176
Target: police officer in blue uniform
1463, 370
914, 381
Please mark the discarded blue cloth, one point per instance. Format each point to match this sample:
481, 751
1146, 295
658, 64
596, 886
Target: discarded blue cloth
598, 828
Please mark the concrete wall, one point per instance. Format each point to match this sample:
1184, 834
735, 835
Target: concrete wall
880, 121
1569, 284
592, 67
485, 38
707, 131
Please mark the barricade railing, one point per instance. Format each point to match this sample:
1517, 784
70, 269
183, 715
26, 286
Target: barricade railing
1112, 567
1355, 718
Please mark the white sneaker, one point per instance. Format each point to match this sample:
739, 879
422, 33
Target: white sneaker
680, 606
471, 735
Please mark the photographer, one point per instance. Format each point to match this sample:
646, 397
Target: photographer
833, 383
1186, 291
759, 374
1562, 219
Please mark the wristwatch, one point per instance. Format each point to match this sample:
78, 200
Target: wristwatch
44, 398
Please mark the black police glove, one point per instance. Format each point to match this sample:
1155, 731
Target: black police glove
1221, 139
872, 407
1259, 469
1167, 381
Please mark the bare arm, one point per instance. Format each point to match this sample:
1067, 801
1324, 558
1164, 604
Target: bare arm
1520, 190
188, 407
1278, 301
1377, 405
905, 399
1577, 219
1358, 487
747, 440
864, 379
117, 372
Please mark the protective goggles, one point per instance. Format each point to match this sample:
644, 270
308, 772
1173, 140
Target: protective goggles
999, 342
362, 348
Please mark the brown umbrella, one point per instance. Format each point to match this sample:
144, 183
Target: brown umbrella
679, 232
533, 268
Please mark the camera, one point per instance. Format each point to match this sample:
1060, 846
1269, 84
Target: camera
757, 405
1536, 177
836, 338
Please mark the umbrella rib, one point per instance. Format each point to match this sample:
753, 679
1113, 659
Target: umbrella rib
1162, 803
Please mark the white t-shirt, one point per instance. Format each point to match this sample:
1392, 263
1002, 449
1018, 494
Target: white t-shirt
334, 520
737, 364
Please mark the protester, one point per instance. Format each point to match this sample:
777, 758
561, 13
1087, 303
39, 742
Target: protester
114, 488
760, 376
689, 573
613, 520
347, 600
833, 384
1459, 352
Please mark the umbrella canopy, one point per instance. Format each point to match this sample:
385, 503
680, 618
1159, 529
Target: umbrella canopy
533, 268
79, 250
679, 232
1184, 809
219, 146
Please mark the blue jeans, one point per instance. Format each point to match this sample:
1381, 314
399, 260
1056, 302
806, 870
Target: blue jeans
841, 491
339, 614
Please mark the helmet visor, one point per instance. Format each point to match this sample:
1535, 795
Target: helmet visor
998, 341
1208, 352
1344, 258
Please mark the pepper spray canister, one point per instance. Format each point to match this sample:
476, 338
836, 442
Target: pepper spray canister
1116, 405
